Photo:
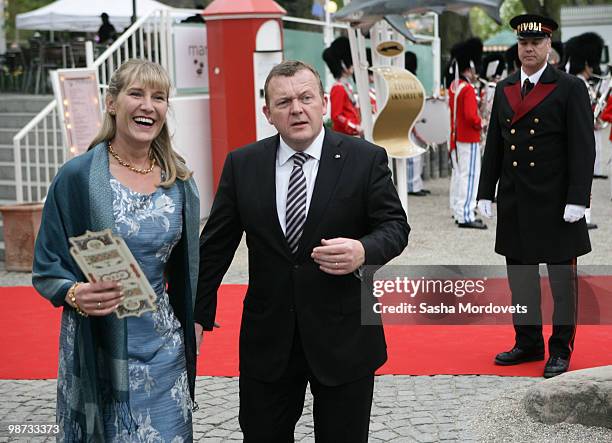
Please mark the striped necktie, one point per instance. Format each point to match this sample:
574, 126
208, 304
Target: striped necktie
295, 214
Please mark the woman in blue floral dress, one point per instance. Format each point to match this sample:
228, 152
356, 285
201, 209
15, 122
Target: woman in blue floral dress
125, 379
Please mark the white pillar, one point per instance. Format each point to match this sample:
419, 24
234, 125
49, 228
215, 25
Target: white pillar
435, 48
328, 38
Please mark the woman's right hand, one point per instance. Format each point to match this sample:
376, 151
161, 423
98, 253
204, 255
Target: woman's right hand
98, 299
199, 335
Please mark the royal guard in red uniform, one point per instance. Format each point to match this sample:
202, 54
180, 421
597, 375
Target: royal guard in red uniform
344, 111
466, 126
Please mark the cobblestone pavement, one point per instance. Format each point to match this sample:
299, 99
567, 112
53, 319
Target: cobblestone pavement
406, 408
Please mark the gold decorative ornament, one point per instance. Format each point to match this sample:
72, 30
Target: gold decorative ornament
128, 165
72, 297
402, 104
390, 48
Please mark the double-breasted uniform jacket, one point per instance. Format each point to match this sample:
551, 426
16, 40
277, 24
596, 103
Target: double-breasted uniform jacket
353, 197
542, 151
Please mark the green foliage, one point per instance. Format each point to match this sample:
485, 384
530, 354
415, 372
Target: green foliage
484, 26
14, 7
297, 8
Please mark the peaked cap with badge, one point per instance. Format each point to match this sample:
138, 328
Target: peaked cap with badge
533, 26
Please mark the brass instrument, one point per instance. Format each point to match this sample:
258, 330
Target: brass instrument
600, 99
485, 96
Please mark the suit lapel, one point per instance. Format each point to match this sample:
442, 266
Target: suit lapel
267, 185
333, 156
543, 88
513, 91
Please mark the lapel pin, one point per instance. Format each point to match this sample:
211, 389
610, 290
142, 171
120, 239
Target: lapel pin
337, 156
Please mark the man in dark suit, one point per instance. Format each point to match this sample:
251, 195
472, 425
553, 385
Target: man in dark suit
540, 147
315, 206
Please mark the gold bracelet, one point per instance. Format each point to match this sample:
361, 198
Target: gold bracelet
72, 298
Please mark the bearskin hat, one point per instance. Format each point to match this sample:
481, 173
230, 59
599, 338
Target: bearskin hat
338, 56
582, 50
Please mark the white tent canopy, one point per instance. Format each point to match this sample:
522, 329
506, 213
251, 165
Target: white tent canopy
84, 15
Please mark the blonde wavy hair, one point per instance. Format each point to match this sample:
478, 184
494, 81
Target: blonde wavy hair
152, 75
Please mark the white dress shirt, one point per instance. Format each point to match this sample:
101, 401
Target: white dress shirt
284, 166
533, 78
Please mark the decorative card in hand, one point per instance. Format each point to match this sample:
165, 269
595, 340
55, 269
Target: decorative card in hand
103, 256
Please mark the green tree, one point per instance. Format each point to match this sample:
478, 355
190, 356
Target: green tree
14, 7
297, 8
484, 26
552, 8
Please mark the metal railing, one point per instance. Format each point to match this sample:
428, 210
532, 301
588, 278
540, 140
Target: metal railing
43, 154
149, 38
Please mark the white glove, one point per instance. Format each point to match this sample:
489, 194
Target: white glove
484, 207
573, 213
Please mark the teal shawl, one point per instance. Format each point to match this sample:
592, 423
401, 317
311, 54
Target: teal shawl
79, 199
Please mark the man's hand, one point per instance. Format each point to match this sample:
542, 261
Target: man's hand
199, 334
339, 256
484, 207
573, 213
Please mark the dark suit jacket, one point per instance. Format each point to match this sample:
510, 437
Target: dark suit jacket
542, 151
353, 197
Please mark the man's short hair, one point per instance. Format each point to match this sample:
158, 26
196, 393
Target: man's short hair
289, 68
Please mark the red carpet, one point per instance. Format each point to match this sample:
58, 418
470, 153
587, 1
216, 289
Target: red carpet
30, 327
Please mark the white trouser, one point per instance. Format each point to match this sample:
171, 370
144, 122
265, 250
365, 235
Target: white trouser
599, 154
414, 170
454, 184
464, 181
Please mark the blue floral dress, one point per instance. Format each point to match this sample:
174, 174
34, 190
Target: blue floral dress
160, 403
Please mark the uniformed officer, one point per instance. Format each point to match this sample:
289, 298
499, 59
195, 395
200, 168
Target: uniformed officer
540, 147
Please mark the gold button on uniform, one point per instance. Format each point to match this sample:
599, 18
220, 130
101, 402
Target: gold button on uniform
513, 147
531, 148
531, 131
507, 120
536, 120
512, 131
532, 164
515, 164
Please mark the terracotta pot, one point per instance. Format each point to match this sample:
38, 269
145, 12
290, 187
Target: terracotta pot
21, 224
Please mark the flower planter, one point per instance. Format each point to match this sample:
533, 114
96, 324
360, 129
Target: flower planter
21, 223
